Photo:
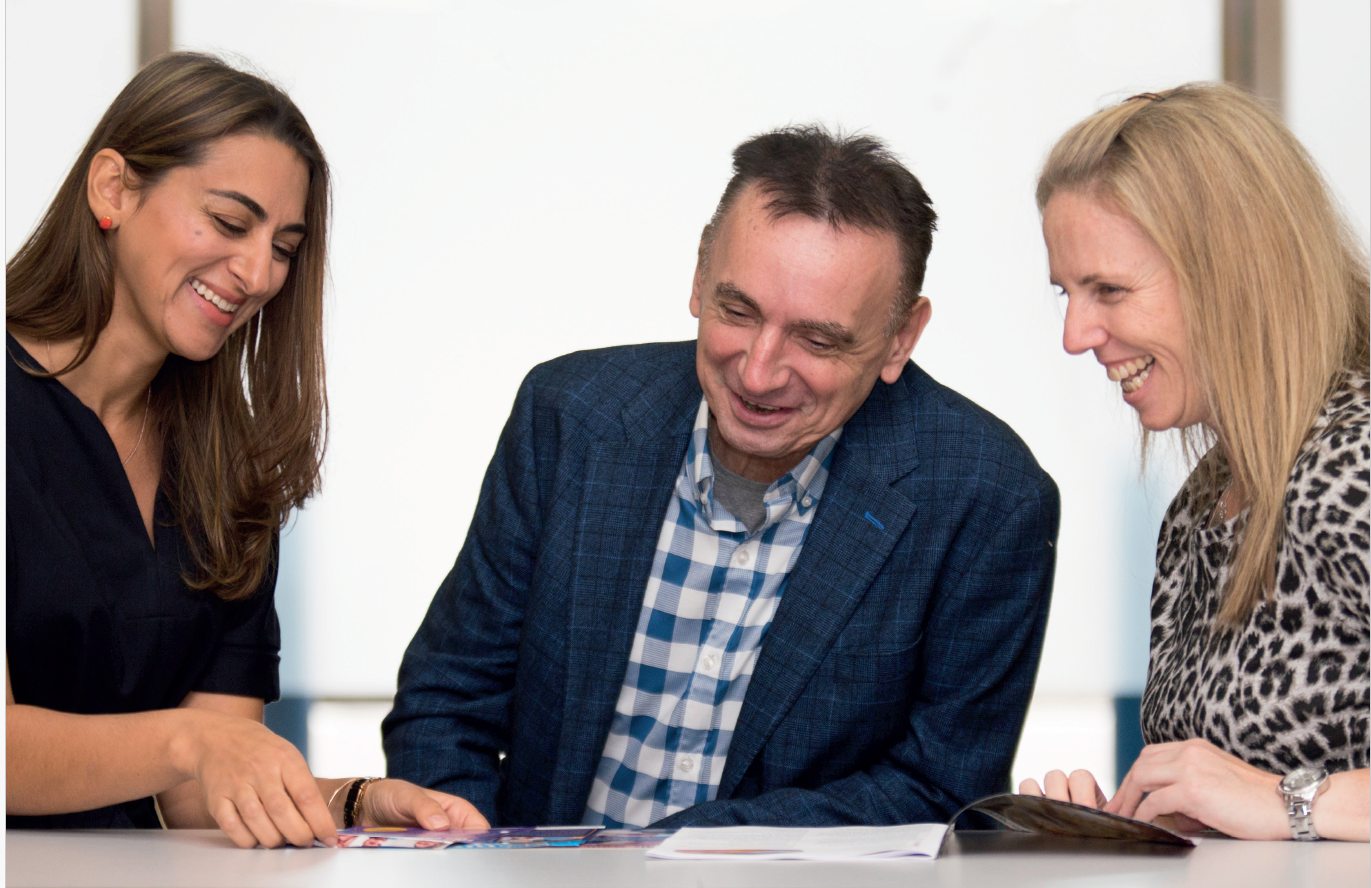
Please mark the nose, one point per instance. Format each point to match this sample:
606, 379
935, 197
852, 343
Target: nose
252, 266
764, 365
1083, 329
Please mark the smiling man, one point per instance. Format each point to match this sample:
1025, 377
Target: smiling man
778, 575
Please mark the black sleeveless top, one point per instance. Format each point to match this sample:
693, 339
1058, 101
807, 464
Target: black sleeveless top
97, 620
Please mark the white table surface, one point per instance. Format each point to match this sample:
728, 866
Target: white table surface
192, 858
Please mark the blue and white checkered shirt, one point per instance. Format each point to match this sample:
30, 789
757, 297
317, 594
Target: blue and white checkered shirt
710, 598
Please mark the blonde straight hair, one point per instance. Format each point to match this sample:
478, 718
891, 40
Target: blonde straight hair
1273, 284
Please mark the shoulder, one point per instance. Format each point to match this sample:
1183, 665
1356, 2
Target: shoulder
955, 438
1329, 479
1326, 500
33, 407
20, 386
616, 372
595, 391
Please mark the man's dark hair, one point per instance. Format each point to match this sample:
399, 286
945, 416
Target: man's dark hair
841, 180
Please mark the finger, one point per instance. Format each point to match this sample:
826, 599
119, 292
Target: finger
461, 813
1030, 787
255, 817
1084, 790
1186, 823
1167, 800
280, 807
1055, 786
226, 815
401, 803
428, 813
1130, 795
310, 803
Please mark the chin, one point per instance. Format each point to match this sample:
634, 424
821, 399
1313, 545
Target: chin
197, 348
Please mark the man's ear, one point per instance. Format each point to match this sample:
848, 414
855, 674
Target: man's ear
697, 284
903, 342
107, 188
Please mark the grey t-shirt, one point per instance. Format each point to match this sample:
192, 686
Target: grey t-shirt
743, 498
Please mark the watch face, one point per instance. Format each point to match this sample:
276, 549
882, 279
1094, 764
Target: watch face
1302, 779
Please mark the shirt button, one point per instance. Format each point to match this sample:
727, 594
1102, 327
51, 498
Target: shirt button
710, 661
742, 556
807, 501
687, 764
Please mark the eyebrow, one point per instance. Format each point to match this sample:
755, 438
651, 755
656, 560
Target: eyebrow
256, 209
840, 335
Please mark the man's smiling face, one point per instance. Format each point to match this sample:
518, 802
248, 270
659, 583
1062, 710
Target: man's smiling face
793, 331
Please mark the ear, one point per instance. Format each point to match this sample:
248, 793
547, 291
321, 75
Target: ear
107, 189
903, 342
697, 285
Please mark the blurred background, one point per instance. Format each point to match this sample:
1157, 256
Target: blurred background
518, 180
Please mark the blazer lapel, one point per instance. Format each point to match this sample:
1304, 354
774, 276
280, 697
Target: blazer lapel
843, 552
626, 489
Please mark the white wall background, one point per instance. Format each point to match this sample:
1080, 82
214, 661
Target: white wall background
519, 180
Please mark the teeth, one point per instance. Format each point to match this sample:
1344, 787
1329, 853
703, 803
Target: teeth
1132, 385
1132, 374
212, 297
759, 407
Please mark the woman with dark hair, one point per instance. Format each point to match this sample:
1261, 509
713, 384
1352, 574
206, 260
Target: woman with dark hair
1207, 268
165, 413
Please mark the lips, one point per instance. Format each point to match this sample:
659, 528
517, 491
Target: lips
758, 408
213, 298
756, 413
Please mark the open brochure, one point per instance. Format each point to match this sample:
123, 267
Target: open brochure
1035, 814
508, 837
804, 843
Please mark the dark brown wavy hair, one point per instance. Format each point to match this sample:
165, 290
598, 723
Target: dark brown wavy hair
243, 433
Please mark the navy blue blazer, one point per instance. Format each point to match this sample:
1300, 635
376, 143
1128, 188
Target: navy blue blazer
894, 679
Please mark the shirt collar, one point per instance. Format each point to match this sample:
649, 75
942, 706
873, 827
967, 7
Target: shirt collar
803, 485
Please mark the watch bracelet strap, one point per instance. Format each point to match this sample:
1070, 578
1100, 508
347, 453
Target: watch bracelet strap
1301, 814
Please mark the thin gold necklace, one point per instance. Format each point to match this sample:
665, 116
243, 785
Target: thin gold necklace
142, 427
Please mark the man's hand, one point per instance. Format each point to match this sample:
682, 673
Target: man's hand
1199, 781
400, 803
1079, 788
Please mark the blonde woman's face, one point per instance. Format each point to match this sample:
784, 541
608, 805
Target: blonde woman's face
1123, 304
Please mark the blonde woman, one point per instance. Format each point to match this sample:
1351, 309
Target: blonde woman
1207, 268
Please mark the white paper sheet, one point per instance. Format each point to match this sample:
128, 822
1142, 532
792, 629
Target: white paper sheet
779, 843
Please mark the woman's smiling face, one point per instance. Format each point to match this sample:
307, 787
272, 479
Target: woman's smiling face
199, 253
1123, 303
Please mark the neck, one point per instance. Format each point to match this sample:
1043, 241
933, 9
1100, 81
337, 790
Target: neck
749, 465
113, 380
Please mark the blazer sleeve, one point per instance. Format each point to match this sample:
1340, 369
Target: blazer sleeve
451, 717
983, 638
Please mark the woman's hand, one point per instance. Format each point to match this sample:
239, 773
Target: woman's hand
256, 785
400, 803
1197, 780
1080, 788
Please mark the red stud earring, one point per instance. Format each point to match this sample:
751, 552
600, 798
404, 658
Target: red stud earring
105, 223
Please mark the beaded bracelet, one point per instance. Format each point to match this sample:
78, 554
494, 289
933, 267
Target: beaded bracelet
354, 800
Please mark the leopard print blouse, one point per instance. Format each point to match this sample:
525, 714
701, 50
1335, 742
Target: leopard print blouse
1291, 686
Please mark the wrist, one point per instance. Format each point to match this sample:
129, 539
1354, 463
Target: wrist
356, 811
334, 791
1298, 791
184, 741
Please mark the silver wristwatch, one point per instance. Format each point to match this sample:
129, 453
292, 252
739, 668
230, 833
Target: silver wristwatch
1299, 789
